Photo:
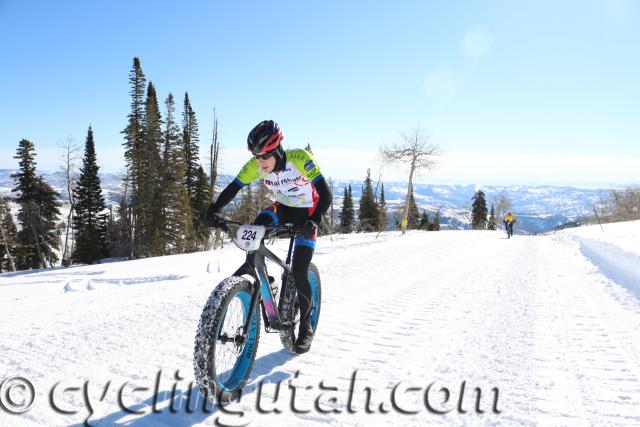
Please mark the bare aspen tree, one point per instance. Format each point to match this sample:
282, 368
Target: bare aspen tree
71, 154
625, 204
417, 153
214, 162
214, 155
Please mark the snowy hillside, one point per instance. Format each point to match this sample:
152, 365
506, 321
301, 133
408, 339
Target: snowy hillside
539, 208
111, 183
545, 326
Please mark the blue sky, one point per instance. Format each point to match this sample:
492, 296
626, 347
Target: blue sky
514, 85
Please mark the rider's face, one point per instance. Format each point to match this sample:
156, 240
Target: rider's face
267, 165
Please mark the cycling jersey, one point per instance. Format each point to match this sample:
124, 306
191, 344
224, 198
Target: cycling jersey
292, 186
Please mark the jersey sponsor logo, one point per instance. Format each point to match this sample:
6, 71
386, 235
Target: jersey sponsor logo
298, 180
308, 165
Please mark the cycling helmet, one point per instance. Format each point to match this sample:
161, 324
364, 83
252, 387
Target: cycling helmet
265, 137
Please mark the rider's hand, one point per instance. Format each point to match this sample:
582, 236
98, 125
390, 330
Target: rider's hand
310, 229
212, 218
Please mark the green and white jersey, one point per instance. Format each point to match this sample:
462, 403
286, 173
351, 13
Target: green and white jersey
294, 185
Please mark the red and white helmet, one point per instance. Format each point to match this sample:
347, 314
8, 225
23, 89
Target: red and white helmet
265, 137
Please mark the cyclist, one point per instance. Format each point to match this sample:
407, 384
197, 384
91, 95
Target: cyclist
301, 195
508, 221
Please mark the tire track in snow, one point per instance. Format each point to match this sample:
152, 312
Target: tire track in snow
421, 320
574, 323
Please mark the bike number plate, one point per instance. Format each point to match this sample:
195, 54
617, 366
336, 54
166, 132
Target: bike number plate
248, 237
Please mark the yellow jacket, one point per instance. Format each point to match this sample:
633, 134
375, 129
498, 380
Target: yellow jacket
510, 218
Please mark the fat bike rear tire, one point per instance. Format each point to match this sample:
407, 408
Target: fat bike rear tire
290, 309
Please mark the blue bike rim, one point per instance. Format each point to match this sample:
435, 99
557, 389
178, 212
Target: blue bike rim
315, 297
230, 380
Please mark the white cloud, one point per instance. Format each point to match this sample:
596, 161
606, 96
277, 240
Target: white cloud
519, 168
476, 43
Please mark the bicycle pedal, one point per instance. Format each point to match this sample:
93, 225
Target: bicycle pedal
268, 330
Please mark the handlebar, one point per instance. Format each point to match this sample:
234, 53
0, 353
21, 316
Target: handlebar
287, 229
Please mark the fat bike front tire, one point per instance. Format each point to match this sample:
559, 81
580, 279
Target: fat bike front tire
290, 309
222, 360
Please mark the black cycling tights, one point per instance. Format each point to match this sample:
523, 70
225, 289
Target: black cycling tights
301, 254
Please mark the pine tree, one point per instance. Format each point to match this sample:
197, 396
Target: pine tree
121, 243
424, 223
347, 215
134, 131
134, 159
184, 233
243, 210
26, 186
368, 213
46, 229
253, 198
90, 220
8, 237
479, 211
382, 211
413, 216
177, 225
38, 213
150, 198
435, 225
144, 175
199, 203
492, 220
190, 140
262, 197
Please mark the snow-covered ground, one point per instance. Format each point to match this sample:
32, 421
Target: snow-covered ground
546, 327
614, 249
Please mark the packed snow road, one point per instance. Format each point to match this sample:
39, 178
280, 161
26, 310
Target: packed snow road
450, 328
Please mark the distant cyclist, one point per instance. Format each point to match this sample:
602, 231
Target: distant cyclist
508, 221
301, 195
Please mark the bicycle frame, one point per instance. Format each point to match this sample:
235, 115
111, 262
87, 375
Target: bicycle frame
256, 267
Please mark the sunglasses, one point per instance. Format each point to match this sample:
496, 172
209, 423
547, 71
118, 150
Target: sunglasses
263, 156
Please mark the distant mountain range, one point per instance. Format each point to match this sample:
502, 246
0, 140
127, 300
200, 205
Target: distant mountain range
538, 207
